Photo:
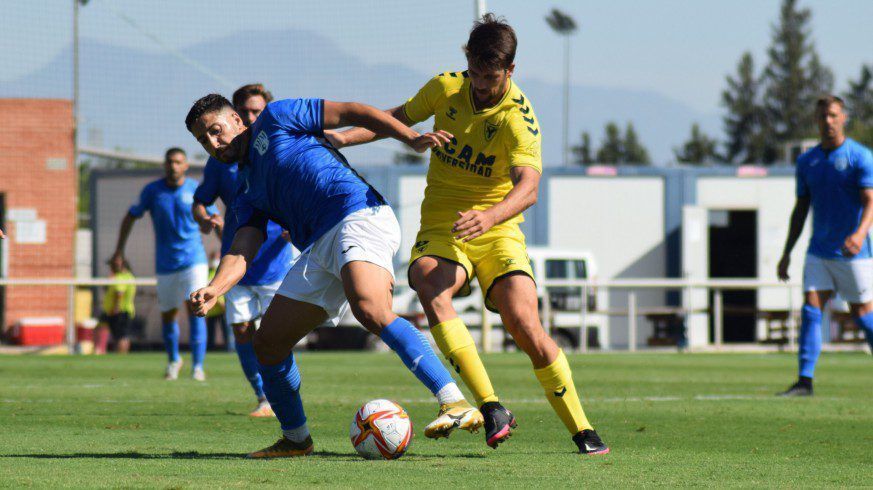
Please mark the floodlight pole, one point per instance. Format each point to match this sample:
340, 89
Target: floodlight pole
479, 9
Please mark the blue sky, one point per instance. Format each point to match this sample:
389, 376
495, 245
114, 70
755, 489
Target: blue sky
681, 49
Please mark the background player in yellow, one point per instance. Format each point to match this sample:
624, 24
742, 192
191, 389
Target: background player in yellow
478, 184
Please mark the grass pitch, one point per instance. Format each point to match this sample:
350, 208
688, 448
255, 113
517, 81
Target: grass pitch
670, 420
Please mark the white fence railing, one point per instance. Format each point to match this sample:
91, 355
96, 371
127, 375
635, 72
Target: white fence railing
631, 312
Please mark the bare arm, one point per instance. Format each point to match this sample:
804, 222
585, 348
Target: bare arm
854, 242
341, 114
124, 233
795, 228
246, 243
360, 136
207, 222
473, 223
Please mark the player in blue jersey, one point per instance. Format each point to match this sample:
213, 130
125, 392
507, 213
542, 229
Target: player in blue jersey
180, 261
246, 302
346, 231
836, 179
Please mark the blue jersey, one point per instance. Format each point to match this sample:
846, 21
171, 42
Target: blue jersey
295, 177
274, 258
177, 236
833, 180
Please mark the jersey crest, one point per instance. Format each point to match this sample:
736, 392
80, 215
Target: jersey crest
490, 130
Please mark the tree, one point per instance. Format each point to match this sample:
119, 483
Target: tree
612, 148
634, 152
859, 98
699, 149
744, 121
794, 76
582, 152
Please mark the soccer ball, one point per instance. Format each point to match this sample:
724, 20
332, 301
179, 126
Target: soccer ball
381, 429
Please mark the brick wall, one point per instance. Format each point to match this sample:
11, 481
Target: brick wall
37, 173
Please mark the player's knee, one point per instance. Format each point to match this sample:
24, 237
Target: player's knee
371, 314
268, 352
243, 332
432, 298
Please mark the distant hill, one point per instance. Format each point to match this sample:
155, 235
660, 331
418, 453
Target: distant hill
136, 100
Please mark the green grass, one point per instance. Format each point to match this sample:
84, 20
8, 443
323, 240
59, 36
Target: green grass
670, 420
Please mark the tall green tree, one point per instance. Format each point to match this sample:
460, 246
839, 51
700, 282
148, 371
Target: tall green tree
744, 121
859, 98
634, 151
582, 153
612, 148
794, 75
700, 149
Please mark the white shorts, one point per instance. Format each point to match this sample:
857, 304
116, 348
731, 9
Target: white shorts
369, 235
247, 303
851, 279
175, 288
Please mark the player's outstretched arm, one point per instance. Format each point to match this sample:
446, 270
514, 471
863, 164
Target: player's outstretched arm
360, 136
473, 223
246, 243
342, 114
123, 234
795, 228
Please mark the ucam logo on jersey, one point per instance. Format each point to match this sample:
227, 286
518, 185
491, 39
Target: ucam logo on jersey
841, 163
262, 143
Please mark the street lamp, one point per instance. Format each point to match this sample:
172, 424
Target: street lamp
564, 25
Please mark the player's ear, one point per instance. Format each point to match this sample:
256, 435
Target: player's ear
510, 69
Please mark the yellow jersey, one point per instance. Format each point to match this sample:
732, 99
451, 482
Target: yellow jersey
472, 171
126, 291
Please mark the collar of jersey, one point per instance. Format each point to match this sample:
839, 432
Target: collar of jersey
489, 109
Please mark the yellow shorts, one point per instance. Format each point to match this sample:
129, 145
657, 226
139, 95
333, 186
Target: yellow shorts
497, 253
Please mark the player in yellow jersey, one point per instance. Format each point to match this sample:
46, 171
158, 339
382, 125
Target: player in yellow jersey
478, 184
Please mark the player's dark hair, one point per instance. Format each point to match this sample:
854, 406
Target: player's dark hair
492, 43
825, 101
205, 105
245, 92
173, 151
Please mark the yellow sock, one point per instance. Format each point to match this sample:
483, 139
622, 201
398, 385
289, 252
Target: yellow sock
557, 381
457, 346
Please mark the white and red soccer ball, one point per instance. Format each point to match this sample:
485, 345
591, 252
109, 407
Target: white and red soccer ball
381, 429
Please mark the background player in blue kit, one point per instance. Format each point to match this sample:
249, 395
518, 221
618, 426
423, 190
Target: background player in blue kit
836, 179
180, 261
346, 231
246, 302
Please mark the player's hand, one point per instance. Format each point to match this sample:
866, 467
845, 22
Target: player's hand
336, 138
853, 244
471, 224
427, 141
117, 256
782, 268
203, 300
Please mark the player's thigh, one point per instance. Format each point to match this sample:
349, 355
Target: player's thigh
190, 280
818, 281
499, 255
287, 321
369, 289
439, 264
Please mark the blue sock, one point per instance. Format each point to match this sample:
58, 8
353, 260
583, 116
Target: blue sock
249, 362
810, 339
170, 332
282, 387
865, 323
197, 340
416, 353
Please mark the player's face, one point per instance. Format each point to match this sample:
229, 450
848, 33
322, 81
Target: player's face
217, 132
117, 265
488, 84
250, 109
175, 166
831, 121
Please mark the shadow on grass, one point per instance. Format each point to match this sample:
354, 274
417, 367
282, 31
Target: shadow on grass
329, 455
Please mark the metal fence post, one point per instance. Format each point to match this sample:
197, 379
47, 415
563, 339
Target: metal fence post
71, 318
718, 317
632, 320
583, 318
792, 324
